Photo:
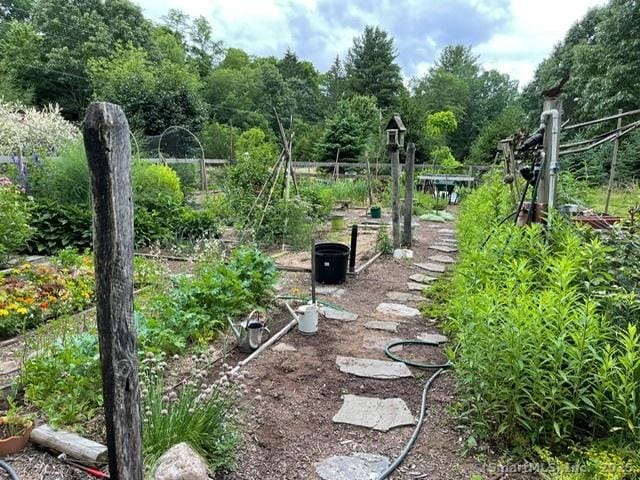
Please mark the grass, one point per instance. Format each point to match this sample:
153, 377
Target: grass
622, 199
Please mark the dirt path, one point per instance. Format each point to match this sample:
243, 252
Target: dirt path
296, 394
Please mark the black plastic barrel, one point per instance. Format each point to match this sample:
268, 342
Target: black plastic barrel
332, 260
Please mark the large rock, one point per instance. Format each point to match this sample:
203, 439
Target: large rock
370, 368
359, 466
375, 413
181, 462
400, 253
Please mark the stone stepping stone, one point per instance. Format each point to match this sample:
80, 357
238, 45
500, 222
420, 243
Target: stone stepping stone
404, 297
432, 337
432, 267
400, 253
448, 241
370, 368
375, 413
359, 466
284, 347
398, 310
330, 291
334, 314
8, 367
446, 230
421, 278
381, 325
442, 259
444, 248
416, 287
376, 342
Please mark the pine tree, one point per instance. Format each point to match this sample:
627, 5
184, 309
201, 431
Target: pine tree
371, 67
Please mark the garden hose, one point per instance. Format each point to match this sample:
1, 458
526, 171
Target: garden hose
423, 407
10, 471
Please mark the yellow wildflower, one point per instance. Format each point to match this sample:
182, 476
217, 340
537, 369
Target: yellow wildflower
3, 312
21, 310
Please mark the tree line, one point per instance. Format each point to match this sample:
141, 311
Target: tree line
176, 72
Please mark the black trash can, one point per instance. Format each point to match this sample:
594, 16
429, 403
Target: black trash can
332, 260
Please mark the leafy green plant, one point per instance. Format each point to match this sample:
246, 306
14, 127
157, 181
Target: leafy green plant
15, 214
539, 358
201, 413
15, 420
156, 187
57, 226
383, 241
63, 380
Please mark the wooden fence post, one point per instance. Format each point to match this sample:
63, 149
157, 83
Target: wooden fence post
106, 140
407, 233
614, 160
395, 191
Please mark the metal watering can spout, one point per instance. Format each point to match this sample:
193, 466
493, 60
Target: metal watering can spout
236, 331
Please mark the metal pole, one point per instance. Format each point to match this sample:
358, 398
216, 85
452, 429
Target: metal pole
354, 245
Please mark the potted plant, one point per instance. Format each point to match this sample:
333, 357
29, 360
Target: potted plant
15, 428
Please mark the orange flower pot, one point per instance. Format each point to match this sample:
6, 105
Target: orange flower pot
12, 445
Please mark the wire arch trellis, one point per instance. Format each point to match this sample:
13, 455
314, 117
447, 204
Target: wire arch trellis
203, 172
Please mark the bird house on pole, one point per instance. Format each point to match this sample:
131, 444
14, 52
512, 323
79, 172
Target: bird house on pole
395, 131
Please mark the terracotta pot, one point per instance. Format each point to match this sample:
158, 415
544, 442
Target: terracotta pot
11, 445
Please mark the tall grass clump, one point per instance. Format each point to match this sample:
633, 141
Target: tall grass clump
539, 358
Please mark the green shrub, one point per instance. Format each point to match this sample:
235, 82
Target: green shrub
192, 224
15, 213
156, 187
539, 360
187, 174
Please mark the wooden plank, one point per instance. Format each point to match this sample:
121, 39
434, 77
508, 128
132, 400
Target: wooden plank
76, 447
614, 160
407, 232
106, 139
600, 120
394, 153
447, 177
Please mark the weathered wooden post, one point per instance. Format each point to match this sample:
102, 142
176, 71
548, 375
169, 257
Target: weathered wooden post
106, 140
407, 233
614, 160
395, 140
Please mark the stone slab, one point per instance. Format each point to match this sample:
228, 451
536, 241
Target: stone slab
284, 347
359, 466
376, 342
375, 413
446, 230
442, 259
416, 287
8, 367
398, 310
444, 248
381, 325
370, 368
432, 337
329, 291
403, 297
421, 278
432, 267
448, 240
334, 314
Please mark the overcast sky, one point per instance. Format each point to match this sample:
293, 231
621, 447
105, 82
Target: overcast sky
512, 36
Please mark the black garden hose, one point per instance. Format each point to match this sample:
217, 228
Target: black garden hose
423, 408
12, 474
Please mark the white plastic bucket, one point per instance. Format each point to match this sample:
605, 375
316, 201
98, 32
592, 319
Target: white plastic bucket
308, 319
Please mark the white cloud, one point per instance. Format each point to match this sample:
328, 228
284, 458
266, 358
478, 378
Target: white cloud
512, 36
531, 35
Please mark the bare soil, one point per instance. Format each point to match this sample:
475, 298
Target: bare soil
294, 395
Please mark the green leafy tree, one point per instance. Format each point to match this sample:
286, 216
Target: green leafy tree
333, 84
352, 130
484, 147
372, 69
153, 95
